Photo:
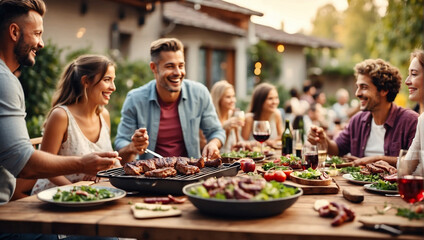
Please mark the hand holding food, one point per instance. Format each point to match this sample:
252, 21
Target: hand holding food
140, 140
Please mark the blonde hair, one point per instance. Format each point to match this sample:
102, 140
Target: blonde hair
217, 92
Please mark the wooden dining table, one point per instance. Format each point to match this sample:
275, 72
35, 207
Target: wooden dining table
115, 218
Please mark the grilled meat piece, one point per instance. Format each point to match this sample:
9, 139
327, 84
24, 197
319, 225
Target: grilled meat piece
162, 172
385, 166
213, 163
131, 169
373, 169
147, 165
183, 167
365, 171
165, 162
200, 163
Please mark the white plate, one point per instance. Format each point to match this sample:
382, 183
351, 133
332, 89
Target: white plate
47, 196
369, 187
351, 179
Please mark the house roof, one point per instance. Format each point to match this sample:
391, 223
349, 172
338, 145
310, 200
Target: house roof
278, 36
183, 15
219, 4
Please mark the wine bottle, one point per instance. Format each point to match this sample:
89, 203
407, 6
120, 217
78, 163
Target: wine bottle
287, 140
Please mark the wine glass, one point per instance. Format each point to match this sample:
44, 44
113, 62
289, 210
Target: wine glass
310, 156
261, 132
410, 176
322, 153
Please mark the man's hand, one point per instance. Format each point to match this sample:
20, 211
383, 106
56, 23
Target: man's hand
233, 123
316, 134
366, 160
211, 150
94, 162
140, 140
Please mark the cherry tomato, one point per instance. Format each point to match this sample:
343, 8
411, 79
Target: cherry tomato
279, 176
269, 175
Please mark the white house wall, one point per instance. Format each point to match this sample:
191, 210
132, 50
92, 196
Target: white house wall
293, 67
63, 20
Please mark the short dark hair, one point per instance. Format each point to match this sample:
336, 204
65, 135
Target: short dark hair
166, 45
383, 75
12, 9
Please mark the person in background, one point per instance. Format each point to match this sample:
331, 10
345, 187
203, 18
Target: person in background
21, 29
166, 114
299, 107
341, 108
263, 106
415, 83
78, 123
308, 93
224, 100
381, 129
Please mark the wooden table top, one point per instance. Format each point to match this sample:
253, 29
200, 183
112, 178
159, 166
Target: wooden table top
115, 218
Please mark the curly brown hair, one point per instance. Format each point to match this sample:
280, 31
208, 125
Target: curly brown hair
383, 75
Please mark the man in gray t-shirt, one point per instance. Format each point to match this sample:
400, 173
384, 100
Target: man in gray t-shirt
21, 28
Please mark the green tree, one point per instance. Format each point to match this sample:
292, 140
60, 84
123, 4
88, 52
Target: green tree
269, 58
399, 32
326, 22
39, 83
358, 20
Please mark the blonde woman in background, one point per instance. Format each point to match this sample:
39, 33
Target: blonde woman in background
263, 106
224, 100
78, 124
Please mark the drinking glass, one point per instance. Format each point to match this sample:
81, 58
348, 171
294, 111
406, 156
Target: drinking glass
261, 132
410, 176
297, 140
310, 156
322, 153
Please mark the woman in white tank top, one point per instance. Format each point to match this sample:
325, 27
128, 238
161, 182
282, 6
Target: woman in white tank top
78, 124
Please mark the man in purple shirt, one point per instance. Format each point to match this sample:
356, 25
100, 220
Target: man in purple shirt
381, 128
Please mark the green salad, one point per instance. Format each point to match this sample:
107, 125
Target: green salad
242, 154
82, 194
365, 178
269, 190
350, 169
384, 185
334, 160
308, 174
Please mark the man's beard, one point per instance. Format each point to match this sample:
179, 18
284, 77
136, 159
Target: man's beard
22, 52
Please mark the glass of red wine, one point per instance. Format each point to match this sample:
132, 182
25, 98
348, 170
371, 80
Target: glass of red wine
410, 176
261, 132
310, 156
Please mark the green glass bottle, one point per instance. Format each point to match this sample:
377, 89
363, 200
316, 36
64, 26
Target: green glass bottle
287, 140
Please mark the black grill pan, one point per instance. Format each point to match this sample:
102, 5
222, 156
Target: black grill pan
169, 185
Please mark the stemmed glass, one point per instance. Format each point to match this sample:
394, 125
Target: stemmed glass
310, 156
322, 153
261, 132
241, 117
410, 176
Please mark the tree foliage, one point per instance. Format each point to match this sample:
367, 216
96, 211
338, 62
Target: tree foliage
39, 83
269, 58
399, 32
326, 21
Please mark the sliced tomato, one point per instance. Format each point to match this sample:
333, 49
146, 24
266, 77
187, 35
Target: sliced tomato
279, 176
287, 172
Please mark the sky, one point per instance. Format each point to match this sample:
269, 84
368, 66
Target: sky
297, 15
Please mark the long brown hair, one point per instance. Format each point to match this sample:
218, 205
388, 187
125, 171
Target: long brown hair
260, 93
70, 89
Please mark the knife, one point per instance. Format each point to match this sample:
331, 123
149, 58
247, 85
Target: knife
153, 153
387, 228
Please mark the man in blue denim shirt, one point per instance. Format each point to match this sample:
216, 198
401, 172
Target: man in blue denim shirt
381, 129
170, 110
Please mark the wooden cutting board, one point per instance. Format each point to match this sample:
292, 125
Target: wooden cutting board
332, 188
147, 210
311, 182
403, 224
